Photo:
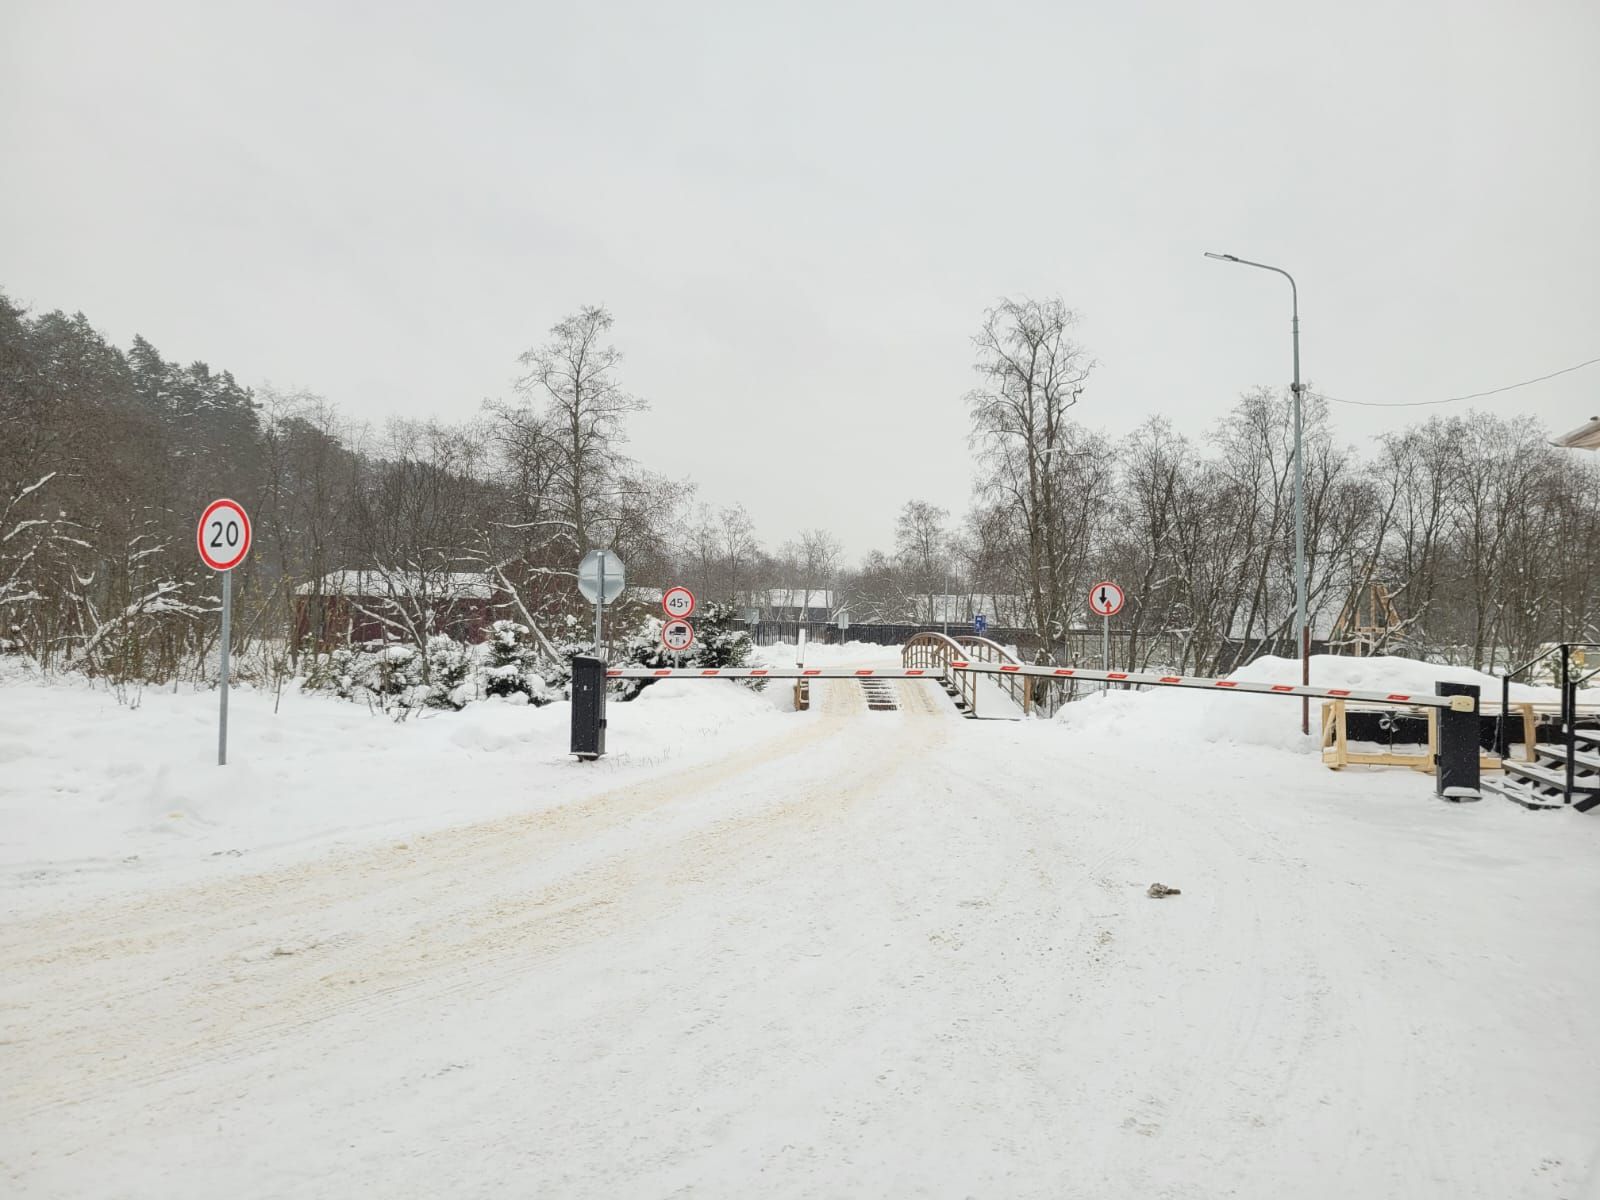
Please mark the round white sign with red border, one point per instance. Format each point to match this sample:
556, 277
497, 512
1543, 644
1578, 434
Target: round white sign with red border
677, 635
1106, 599
224, 535
678, 602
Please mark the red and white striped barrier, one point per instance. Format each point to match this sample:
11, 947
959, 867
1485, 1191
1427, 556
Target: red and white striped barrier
772, 673
1425, 699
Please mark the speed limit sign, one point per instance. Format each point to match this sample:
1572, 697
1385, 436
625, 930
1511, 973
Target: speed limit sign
677, 635
224, 535
678, 602
224, 539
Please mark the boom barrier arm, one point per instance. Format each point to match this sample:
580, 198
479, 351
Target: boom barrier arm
771, 673
1464, 704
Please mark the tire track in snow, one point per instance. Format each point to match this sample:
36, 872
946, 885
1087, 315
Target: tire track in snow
119, 1033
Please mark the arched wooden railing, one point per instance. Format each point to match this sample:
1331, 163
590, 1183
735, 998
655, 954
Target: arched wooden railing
981, 649
931, 650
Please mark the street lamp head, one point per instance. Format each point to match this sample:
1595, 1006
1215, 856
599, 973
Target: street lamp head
1223, 257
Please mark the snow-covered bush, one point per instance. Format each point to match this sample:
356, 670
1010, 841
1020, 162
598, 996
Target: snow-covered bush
331, 672
385, 674
513, 668
396, 671
717, 644
509, 655
449, 674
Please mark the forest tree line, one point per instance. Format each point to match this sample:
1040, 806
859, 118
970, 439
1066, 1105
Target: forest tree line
1484, 538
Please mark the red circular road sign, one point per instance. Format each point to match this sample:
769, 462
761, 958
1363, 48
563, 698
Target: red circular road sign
224, 535
1106, 599
677, 635
678, 602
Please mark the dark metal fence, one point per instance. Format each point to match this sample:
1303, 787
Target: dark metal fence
767, 633
1080, 646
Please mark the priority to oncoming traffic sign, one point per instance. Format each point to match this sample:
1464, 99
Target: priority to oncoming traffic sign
1106, 599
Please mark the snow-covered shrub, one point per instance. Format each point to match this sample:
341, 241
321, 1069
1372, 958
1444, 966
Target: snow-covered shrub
507, 659
336, 671
398, 670
717, 644
449, 674
379, 672
512, 666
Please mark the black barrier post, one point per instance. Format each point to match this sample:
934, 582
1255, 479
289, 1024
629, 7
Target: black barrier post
1569, 717
1502, 741
1456, 760
588, 708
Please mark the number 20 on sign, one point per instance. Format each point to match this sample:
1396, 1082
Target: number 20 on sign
223, 539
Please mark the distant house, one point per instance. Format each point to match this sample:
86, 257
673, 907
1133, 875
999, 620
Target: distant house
375, 605
814, 606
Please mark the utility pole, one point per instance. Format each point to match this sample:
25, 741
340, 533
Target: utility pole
1302, 624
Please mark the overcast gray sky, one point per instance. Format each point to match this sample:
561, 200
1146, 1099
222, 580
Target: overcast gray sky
798, 216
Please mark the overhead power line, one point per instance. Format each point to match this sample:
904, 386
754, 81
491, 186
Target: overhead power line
1510, 387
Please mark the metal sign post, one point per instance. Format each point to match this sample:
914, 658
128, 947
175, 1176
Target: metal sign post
678, 603
600, 579
1106, 599
222, 672
223, 540
601, 576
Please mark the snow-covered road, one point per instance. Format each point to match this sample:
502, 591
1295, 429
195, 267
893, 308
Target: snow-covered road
841, 954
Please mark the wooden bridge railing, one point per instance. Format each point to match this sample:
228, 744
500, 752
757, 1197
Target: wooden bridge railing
932, 650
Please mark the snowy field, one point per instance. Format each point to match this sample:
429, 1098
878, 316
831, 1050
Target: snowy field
764, 953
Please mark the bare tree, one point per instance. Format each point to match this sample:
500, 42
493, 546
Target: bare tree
922, 552
575, 373
1031, 372
820, 554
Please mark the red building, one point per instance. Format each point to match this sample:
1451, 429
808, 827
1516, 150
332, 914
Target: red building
345, 607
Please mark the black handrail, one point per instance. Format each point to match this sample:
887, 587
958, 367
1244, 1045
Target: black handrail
1568, 716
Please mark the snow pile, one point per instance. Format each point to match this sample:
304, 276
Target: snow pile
1196, 716
89, 781
1387, 673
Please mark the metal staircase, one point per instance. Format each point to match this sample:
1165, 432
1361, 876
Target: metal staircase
1558, 779
1565, 772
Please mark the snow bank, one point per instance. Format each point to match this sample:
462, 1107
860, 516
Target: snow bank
1195, 716
91, 784
1385, 673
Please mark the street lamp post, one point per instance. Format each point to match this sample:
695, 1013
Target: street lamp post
1303, 628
